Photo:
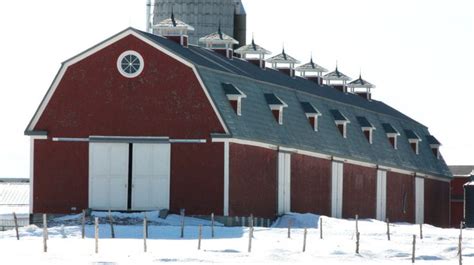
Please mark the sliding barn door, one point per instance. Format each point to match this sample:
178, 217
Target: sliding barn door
151, 176
336, 189
108, 176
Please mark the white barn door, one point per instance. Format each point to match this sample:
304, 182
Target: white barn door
381, 195
336, 189
151, 176
284, 183
108, 176
419, 200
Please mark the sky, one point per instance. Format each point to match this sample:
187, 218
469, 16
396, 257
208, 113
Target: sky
419, 54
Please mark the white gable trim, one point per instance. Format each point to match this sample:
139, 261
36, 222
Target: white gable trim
104, 44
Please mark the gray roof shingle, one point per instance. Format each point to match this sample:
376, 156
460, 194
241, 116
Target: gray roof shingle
258, 124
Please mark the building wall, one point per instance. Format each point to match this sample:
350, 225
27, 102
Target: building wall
253, 181
400, 197
437, 202
197, 178
457, 199
359, 191
93, 98
457, 213
310, 184
61, 176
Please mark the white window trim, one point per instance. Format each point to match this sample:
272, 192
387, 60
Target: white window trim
119, 64
280, 111
315, 116
417, 145
436, 146
395, 137
370, 130
344, 128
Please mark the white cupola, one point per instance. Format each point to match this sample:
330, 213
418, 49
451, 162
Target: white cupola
220, 42
283, 63
174, 29
253, 53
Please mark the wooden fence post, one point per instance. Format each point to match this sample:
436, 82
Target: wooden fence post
16, 226
212, 225
111, 221
460, 244
289, 228
357, 242
182, 222
96, 232
388, 229
250, 239
83, 223
304, 239
145, 233
199, 237
357, 223
421, 231
413, 250
320, 227
45, 233
251, 222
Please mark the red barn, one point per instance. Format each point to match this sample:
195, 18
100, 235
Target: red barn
461, 176
142, 122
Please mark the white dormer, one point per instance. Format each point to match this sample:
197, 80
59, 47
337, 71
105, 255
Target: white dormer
341, 122
276, 106
392, 134
312, 114
414, 140
367, 128
235, 96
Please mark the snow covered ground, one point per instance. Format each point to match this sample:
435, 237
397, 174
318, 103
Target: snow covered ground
269, 245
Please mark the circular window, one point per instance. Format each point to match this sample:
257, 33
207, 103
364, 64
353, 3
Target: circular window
130, 64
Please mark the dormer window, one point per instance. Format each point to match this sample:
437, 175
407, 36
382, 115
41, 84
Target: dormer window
414, 140
312, 114
341, 122
391, 133
367, 128
276, 106
434, 145
235, 96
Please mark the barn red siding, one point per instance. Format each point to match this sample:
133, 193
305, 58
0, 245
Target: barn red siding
93, 98
359, 191
400, 197
437, 202
457, 213
61, 176
310, 184
253, 181
197, 178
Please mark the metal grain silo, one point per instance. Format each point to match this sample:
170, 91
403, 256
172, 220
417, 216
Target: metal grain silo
205, 16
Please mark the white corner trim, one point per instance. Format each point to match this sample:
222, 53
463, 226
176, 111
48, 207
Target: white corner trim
32, 173
103, 45
245, 142
226, 178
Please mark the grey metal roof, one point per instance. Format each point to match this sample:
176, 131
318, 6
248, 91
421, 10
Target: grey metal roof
338, 116
360, 83
336, 75
308, 108
462, 170
14, 194
282, 58
272, 99
412, 135
218, 37
257, 123
311, 67
364, 123
230, 89
388, 128
432, 140
252, 48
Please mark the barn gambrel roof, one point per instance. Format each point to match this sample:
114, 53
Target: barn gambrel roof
258, 124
